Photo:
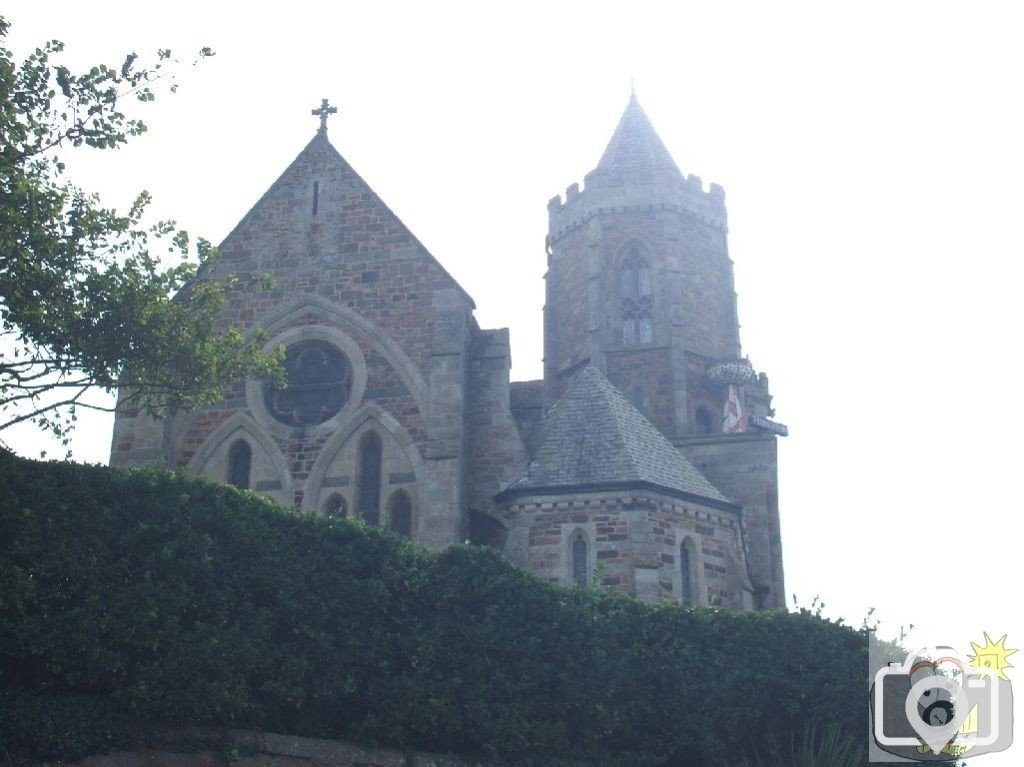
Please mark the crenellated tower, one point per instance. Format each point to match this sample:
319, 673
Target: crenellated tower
640, 285
639, 280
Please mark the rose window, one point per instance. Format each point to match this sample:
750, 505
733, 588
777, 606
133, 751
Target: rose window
318, 384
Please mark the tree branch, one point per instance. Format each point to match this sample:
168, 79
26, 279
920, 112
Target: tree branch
39, 411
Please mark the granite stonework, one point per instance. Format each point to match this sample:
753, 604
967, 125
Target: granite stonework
611, 471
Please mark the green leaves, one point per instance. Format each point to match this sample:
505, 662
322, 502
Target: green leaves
185, 602
86, 298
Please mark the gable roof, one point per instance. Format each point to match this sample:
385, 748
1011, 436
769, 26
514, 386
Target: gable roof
321, 150
593, 439
635, 146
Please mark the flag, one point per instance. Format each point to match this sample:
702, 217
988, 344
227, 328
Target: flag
733, 418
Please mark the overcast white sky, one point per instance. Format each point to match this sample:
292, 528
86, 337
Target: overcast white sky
872, 158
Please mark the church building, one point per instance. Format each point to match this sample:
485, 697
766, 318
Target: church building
643, 462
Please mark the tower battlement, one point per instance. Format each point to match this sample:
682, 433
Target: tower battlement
690, 183
606, 192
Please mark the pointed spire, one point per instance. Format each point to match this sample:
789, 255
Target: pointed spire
635, 146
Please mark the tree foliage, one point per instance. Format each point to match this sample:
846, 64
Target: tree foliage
149, 597
86, 297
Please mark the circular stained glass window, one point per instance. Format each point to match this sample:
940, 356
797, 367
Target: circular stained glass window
319, 382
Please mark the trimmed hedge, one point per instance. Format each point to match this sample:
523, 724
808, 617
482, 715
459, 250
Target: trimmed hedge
129, 598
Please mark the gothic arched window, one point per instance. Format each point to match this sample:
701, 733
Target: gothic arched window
687, 573
335, 506
635, 298
240, 464
579, 560
703, 422
400, 513
368, 489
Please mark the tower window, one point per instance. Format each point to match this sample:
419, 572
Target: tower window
703, 421
400, 513
645, 330
240, 464
368, 497
635, 292
579, 560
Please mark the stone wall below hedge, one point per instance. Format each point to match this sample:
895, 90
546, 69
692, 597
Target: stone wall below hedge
239, 748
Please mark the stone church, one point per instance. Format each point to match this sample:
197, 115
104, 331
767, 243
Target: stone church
643, 462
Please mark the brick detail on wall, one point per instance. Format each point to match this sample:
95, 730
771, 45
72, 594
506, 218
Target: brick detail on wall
625, 532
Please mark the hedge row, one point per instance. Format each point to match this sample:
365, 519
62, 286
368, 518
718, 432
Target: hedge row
129, 598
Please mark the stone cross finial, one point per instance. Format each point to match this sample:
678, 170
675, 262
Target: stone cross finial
324, 110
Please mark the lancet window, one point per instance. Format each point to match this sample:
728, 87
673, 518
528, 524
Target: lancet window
635, 298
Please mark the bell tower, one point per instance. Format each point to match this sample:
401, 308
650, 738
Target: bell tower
639, 281
640, 285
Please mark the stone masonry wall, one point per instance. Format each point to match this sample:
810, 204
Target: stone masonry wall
644, 376
352, 251
527, 403
693, 301
384, 387
238, 748
495, 452
342, 264
633, 543
745, 467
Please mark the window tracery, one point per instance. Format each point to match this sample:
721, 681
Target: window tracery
635, 298
319, 382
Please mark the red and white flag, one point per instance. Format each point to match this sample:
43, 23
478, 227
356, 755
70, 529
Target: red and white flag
733, 417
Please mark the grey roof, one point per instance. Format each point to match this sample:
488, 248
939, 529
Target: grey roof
593, 436
635, 146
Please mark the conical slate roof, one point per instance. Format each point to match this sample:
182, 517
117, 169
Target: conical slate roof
594, 437
635, 146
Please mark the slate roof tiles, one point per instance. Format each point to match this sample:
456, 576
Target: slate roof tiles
635, 146
594, 436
